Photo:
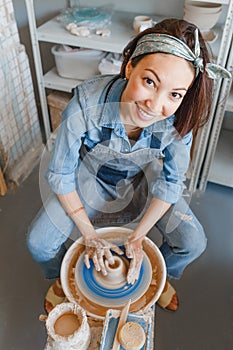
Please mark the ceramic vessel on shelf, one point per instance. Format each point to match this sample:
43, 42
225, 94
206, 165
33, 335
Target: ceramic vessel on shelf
141, 23
202, 7
210, 36
97, 293
203, 14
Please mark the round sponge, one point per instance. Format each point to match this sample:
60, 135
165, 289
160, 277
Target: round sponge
132, 336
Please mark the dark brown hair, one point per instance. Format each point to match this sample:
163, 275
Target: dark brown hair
195, 108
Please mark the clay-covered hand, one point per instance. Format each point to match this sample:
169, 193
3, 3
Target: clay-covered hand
98, 250
135, 253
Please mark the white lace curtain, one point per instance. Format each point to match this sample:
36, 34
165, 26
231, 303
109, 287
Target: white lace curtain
20, 135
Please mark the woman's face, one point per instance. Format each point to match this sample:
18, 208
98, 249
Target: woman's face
155, 89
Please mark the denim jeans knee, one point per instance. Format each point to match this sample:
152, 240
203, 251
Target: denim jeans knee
182, 245
46, 237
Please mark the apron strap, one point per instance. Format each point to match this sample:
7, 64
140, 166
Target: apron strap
106, 135
106, 132
155, 142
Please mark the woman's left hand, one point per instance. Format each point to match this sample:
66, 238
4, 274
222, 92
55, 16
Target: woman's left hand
135, 253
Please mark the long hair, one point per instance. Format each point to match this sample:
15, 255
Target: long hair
194, 110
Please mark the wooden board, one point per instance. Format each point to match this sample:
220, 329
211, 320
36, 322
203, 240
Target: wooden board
3, 186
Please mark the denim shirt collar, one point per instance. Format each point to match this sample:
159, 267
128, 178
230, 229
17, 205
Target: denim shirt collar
111, 115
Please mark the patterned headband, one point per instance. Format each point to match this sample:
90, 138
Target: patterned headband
152, 43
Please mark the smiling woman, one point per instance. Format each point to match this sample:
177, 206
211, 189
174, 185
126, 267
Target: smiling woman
155, 89
122, 152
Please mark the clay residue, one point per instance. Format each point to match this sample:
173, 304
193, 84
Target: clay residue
154, 279
96, 327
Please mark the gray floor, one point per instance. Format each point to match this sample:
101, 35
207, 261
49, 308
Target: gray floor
204, 320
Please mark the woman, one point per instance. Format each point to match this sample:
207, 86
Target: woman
122, 152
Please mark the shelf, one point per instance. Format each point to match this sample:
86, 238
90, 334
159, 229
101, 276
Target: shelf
53, 81
221, 171
223, 2
54, 32
120, 36
229, 106
121, 33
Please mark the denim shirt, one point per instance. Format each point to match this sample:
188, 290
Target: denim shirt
94, 106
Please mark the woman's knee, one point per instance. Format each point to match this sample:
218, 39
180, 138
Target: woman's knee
187, 238
190, 232
48, 231
36, 245
44, 239
194, 241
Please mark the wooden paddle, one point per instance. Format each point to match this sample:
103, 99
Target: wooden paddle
122, 320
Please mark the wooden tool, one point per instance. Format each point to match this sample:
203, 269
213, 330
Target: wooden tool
122, 320
3, 186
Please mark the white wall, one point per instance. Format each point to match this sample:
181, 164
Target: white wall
43, 8
159, 7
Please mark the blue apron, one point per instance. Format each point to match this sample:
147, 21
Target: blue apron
114, 186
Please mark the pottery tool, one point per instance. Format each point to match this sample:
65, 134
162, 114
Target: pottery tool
145, 320
122, 320
132, 336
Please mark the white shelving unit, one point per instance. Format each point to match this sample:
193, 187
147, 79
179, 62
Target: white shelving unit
218, 161
121, 32
54, 32
209, 164
221, 170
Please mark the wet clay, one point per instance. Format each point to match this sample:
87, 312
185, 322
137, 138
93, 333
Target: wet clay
115, 265
66, 324
150, 296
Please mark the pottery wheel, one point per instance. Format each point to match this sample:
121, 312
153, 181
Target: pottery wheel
95, 294
111, 290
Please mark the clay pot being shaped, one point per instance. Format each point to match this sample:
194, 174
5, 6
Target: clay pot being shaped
116, 273
97, 293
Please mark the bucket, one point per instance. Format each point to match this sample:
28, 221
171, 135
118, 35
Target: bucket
67, 328
77, 63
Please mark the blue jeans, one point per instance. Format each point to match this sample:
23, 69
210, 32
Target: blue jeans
183, 237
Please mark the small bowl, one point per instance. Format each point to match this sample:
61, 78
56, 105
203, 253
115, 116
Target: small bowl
209, 36
141, 23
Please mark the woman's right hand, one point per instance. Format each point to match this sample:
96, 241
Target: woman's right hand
99, 250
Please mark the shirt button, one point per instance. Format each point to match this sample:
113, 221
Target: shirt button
126, 150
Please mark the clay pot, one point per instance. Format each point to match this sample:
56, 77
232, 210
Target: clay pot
203, 14
141, 23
